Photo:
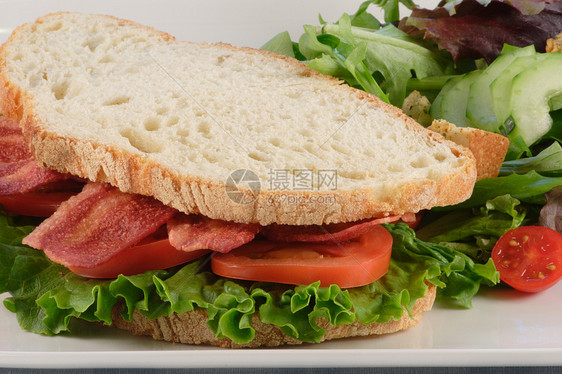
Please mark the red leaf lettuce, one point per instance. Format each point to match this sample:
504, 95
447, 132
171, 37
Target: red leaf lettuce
476, 30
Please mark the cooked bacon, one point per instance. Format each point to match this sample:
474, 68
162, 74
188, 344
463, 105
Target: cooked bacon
193, 232
19, 173
337, 232
25, 176
12, 145
409, 217
91, 227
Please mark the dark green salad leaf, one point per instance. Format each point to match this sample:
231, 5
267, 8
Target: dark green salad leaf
529, 187
46, 296
548, 162
474, 231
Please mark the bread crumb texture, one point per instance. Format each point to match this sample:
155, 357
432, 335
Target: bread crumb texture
111, 100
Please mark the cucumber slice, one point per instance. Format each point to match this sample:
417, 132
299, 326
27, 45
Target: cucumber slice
453, 105
501, 86
555, 103
479, 109
531, 94
435, 110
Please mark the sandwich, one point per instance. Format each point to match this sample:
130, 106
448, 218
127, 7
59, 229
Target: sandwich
213, 194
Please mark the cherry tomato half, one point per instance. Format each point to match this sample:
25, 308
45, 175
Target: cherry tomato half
529, 258
35, 204
148, 255
348, 264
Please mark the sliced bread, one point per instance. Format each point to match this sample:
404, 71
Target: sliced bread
191, 327
110, 100
489, 149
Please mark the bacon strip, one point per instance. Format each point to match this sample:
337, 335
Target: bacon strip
194, 232
91, 227
337, 232
24, 176
12, 145
19, 173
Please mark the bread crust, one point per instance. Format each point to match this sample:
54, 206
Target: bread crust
191, 327
489, 149
134, 173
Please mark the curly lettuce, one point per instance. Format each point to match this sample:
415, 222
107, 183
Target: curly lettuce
46, 296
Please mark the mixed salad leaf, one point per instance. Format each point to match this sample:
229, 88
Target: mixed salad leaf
551, 213
377, 59
479, 29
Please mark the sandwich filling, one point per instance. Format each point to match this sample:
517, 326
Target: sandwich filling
94, 232
100, 232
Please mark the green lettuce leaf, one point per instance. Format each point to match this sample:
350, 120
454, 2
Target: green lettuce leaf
46, 296
548, 162
458, 275
364, 19
529, 187
380, 61
474, 231
295, 311
281, 44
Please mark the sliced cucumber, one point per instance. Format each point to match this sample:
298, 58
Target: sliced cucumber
479, 109
501, 86
453, 105
531, 94
435, 110
555, 102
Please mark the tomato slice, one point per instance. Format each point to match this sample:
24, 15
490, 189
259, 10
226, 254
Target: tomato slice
150, 254
348, 264
529, 258
35, 204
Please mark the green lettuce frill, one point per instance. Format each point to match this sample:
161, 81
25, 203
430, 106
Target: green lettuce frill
45, 296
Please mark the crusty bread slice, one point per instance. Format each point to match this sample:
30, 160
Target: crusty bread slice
110, 100
191, 327
554, 44
489, 149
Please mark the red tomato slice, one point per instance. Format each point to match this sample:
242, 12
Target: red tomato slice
349, 264
529, 258
150, 254
35, 204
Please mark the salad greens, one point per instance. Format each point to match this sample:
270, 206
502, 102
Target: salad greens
479, 28
390, 8
548, 162
551, 212
379, 60
45, 295
474, 231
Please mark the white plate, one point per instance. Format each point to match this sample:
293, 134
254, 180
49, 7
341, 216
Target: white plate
503, 328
